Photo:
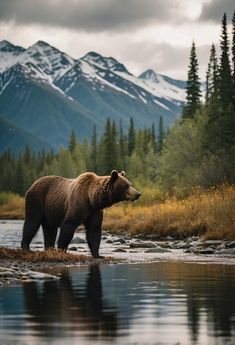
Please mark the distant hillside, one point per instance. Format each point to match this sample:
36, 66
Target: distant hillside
15, 139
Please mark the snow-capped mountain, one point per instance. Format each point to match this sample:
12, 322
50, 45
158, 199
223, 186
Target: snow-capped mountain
48, 93
163, 86
105, 62
41, 61
9, 54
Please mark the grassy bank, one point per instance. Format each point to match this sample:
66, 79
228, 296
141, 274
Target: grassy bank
11, 206
210, 213
40, 256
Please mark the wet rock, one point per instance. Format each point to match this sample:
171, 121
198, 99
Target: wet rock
152, 237
206, 251
213, 243
169, 238
180, 245
142, 245
119, 240
231, 244
119, 250
6, 274
164, 244
197, 243
78, 240
73, 249
109, 241
157, 250
40, 275
24, 278
221, 246
226, 251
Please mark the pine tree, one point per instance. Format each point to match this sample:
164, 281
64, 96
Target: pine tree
233, 55
160, 134
20, 176
145, 141
131, 137
122, 148
108, 157
113, 140
193, 93
72, 141
94, 150
225, 68
27, 155
212, 78
227, 123
153, 138
212, 134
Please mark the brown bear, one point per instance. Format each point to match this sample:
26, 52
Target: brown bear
54, 201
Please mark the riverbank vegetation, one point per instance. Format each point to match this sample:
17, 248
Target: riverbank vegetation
40, 256
210, 214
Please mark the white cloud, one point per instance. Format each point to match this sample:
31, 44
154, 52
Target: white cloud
144, 39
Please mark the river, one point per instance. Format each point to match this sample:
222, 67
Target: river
156, 303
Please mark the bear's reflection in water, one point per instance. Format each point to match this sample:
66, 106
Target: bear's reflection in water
61, 308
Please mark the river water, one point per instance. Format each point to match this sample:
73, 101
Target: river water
166, 302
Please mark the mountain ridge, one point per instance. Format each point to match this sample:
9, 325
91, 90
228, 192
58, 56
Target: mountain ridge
43, 87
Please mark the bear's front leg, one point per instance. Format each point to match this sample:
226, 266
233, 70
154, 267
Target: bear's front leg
93, 226
66, 234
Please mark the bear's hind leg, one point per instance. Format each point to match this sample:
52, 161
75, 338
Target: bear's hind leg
93, 226
49, 233
30, 228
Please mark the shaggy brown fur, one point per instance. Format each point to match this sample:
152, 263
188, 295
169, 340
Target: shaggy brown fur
54, 201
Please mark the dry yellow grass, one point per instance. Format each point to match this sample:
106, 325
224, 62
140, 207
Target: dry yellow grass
11, 206
50, 255
211, 213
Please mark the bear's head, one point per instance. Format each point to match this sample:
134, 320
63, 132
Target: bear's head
122, 189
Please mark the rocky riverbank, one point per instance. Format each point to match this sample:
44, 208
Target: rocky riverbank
22, 266
16, 266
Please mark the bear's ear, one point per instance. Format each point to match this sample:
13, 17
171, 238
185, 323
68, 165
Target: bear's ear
114, 175
123, 173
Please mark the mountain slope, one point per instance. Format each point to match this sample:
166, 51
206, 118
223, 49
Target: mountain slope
114, 92
42, 110
14, 139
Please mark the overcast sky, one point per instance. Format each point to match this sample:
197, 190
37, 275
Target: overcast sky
141, 34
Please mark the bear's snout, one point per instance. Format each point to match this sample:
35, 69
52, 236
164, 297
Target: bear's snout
133, 194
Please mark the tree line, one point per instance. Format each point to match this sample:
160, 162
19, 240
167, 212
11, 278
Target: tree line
200, 148
134, 152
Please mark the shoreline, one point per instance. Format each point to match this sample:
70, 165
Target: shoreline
17, 266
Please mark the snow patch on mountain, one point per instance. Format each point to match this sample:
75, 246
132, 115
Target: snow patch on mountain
105, 62
93, 73
159, 88
163, 86
9, 54
41, 60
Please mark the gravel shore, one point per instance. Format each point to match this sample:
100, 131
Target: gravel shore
115, 248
